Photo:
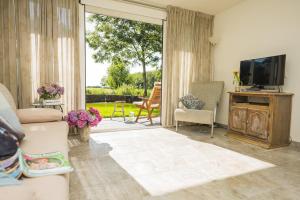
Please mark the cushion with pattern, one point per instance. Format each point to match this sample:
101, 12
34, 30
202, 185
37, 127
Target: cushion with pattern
191, 102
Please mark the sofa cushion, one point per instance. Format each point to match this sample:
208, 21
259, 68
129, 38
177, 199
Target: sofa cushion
46, 137
5, 92
38, 115
195, 116
41, 188
9, 119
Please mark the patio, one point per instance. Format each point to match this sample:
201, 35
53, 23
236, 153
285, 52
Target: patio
118, 124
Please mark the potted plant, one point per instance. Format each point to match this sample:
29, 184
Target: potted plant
82, 120
50, 93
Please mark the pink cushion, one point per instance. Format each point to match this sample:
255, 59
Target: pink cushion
38, 115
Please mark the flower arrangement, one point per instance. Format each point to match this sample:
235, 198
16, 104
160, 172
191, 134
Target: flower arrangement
236, 81
52, 91
83, 118
236, 78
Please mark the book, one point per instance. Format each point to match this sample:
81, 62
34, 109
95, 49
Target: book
36, 165
6, 180
10, 169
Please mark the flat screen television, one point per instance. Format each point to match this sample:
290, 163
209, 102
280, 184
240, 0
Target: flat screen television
260, 72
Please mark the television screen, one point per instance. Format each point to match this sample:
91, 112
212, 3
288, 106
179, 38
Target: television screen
268, 71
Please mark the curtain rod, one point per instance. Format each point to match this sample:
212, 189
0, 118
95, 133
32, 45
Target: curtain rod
137, 3
144, 4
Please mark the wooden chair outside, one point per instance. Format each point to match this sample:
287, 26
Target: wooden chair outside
151, 103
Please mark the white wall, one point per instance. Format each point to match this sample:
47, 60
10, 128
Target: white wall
258, 28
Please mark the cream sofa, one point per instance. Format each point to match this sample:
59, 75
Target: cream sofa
40, 138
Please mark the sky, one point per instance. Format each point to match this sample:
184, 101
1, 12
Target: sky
95, 71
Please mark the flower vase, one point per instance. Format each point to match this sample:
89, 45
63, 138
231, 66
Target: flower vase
84, 133
237, 88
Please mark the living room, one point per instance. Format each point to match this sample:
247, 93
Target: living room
228, 103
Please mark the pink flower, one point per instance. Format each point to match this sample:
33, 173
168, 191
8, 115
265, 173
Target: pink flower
94, 123
93, 110
96, 113
83, 116
99, 117
60, 90
41, 90
50, 91
72, 116
81, 124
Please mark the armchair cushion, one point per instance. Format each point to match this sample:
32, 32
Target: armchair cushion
39, 115
191, 102
195, 116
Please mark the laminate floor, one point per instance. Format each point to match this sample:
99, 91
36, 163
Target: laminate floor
160, 164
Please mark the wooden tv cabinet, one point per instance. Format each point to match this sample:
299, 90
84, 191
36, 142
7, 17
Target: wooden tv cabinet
260, 118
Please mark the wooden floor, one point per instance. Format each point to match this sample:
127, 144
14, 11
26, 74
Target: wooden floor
98, 176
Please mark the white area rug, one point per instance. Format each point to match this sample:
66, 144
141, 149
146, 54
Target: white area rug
163, 161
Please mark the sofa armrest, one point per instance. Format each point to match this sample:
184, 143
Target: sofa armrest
39, 115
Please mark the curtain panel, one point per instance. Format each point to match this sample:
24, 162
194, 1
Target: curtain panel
8, 49
43, 41
187, 56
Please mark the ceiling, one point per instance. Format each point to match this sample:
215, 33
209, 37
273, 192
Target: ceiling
207, 6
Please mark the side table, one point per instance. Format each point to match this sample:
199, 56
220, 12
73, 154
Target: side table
118, 104
53, 105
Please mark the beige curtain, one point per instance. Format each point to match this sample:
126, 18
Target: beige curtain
8, 61
187, 56
47, 50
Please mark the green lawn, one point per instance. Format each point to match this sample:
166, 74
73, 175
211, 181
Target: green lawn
106, 109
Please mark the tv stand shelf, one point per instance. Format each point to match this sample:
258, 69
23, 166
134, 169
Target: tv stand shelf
260, 118
262, 93
250, 105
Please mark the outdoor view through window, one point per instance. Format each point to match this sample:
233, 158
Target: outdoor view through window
123, 64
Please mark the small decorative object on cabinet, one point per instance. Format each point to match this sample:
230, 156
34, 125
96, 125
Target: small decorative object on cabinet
82, 120
236, 81
260, 118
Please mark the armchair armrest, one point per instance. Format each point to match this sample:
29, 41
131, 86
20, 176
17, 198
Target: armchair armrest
144, 101
179, 104
39, 115
144, 98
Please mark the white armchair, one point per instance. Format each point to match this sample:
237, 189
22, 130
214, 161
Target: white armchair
208, 92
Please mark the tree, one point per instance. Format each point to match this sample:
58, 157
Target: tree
136, 79
131, 41
103, 81
117, 74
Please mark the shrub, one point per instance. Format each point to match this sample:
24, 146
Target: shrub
99, 91
137, 80
129, 90
123, 90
